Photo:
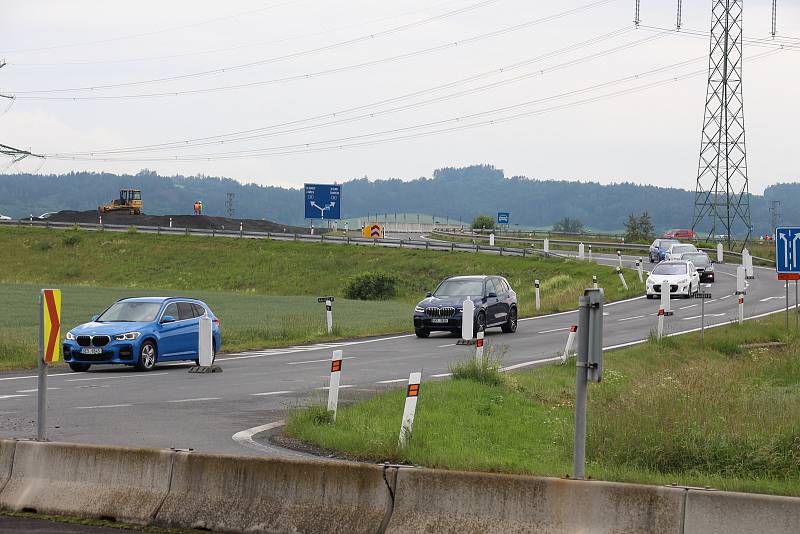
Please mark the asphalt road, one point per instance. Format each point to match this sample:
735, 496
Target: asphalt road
170, 407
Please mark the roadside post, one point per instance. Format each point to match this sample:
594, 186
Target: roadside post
787, 264
205, 348
241, 229
666, 301
702, 297
479, 341
747, 261
741, 287
590, 252
49, 351
412, 392
570, 342
580, 251
660, 331
619, 259
333, 385
741, 309
588, 367
594, 281
491, 239
622, 278
101, 221
328, 311
538, 303
546, 246
467, 313
639, 263
170, 222
720, 253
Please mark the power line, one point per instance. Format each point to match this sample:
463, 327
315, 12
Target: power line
294, 55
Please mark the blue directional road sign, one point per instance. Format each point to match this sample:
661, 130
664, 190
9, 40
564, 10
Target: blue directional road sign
502, 217
787, 250
323, 201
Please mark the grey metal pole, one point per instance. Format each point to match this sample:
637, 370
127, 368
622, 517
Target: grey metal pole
796, 308
41, 396
787, 307
579, 450
702, 321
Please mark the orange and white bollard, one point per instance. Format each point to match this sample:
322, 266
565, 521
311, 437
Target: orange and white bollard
741, 309
570, 342
479, 342
333, 390
412, 392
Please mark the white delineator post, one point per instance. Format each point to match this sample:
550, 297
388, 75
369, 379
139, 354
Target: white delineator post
660, 323
619, 259
665, 300
412, 392
170, 222
741, 288
467, 314
590, 252
594, 281
747, 261
329, 315
333, 389
720, 253
491, 240
639, 263
580, 251
479, 341
570, 342
536, 287
741, 309
546, 246
622, 278
205, 342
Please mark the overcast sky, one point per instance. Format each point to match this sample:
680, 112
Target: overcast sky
651, 136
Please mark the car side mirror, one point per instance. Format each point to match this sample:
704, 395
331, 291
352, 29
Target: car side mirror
492, 295
428, 294
168, 319
95, 317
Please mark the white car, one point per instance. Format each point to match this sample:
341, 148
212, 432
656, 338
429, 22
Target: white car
682, 276
675, 251
4, 217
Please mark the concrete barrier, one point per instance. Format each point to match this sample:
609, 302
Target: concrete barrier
712, 512
243, 494
6, 460
87, 481
449, 501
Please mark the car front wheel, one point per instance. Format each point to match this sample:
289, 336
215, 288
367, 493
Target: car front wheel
147, 356
511, 324
79, 367
480, 323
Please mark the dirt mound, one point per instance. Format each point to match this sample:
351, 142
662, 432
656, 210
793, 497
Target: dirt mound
204, 222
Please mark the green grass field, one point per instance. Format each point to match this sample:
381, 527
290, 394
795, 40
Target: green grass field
725, 416
263, 291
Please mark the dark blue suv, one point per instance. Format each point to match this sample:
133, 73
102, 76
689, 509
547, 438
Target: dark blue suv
658, 249
495, 305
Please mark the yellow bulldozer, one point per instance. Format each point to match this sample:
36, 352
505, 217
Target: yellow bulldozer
129, 200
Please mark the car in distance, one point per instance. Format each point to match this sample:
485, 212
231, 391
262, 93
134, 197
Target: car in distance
703, 264
675, 251
679, 234
495, 305
659, 247
681, 275
4, 217
140, 332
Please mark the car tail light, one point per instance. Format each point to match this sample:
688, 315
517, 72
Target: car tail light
215, 321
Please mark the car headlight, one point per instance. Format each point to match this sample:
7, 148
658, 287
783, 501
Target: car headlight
419, 309
128, 336
70, 336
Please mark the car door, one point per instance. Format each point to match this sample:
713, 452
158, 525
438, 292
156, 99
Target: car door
492, 303
169, 333
695, 276
654, 250
504, 299
188, 338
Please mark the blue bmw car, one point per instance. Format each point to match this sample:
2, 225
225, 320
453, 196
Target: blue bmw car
140, 332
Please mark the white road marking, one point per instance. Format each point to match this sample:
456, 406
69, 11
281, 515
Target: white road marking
687, 307
707, 315
268, 393
199, 399
630, 318
102, 406
114, 377
34, 390
91, 386
340, 387
725, 297
532, 362
770, 298
442, 375
12, 396
36, 376
310, 348
554, 330
318, 361
448, 345
392, 381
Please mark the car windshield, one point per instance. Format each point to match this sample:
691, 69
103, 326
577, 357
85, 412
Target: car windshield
665, 243
460, 288
696, 258
670, 268
134, 312
679, 249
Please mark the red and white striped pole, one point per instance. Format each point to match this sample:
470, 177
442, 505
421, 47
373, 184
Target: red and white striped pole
333, 390
570, 342
479, 347
741, 309
660, 323
412, 392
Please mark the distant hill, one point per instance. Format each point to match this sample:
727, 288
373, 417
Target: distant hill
455, 193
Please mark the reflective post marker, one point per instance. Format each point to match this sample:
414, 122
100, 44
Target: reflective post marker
741, 309
479, 341
622, 278
205, 346
580, 251
619, 259
748, 267
546, 246
590, 252
467, 314
412, 392
639, 263
594, 281
740, 283
241, 229
570, 342
720, 254
666, 302
333, 389
536, 284
329, 315
491, 240
49, 351
170, 222
660, 333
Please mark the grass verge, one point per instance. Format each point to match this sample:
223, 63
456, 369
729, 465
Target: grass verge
721, 415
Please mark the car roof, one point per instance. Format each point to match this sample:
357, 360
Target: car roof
471, 277
156, 299
674, 262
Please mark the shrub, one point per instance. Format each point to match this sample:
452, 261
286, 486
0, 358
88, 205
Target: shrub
483, 221
42, 246
486, 371
371, 286
71, 239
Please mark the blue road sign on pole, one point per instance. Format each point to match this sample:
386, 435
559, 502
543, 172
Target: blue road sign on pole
787, 250
502, 217
323, 201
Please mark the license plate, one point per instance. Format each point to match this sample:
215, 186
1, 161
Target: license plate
439, 320
92, 350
